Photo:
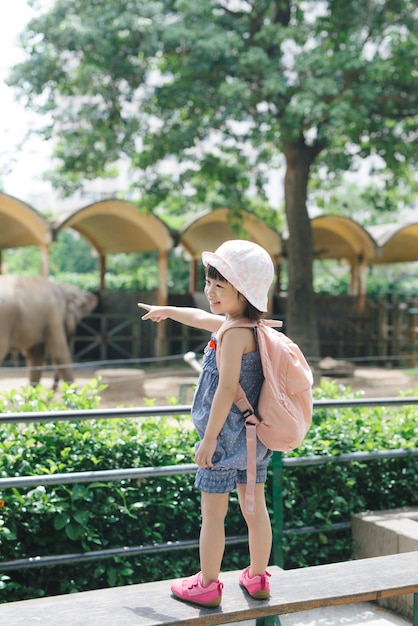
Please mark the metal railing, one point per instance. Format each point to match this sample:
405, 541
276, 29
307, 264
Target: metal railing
279, 462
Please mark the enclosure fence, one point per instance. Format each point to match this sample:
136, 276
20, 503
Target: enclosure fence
279, 464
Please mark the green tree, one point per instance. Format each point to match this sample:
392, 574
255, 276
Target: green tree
69, 253
366, 204
72, 253
25, 260
322, 82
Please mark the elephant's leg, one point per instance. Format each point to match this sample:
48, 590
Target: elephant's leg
3, 350
35, 358
56, 381
57, 348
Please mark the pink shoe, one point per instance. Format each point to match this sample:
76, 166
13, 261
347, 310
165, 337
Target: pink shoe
258, 586
192, 590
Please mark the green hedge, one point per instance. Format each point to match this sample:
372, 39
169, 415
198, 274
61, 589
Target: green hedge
330, 493
84, 517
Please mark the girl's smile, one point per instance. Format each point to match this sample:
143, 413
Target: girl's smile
222, 297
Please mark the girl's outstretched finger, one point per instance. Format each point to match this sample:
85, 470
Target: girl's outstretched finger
147, 308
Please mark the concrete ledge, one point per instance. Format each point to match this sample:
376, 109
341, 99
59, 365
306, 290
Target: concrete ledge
122, 381
152, 604
378, 533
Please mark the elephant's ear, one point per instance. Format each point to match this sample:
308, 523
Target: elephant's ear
74, 298
79, 303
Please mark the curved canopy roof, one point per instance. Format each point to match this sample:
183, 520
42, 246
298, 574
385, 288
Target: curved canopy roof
337, 237
210, 229
113, 226
396, 244
21, 225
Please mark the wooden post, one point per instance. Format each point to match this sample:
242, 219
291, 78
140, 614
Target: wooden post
193, 276
362, 270
358, 282
44, 269
353, 280
102, 266
382, 328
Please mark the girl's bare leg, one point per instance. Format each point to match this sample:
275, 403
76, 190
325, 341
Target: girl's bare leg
212, 534
259, 530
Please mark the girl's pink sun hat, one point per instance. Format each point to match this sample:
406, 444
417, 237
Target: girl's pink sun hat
247, 266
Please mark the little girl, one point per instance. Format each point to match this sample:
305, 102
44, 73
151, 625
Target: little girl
238, 277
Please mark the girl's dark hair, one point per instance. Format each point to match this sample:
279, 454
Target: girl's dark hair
250, 311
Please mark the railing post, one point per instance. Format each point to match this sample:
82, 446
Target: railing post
415, 610
277, 498
269, 621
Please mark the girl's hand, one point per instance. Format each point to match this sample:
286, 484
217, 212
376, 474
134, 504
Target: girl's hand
155, 313
205, 452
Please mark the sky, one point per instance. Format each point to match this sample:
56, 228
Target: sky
23, 162
21, 166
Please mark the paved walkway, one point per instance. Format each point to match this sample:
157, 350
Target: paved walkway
164, 383
360, 614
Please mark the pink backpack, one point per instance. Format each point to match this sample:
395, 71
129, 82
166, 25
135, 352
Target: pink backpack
284, 411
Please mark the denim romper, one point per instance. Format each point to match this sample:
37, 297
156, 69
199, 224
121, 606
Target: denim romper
230, 458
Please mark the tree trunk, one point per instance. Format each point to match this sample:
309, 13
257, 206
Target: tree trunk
301, 322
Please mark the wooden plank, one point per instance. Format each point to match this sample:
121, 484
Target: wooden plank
151, 604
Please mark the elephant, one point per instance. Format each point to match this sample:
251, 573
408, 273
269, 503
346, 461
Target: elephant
37, 318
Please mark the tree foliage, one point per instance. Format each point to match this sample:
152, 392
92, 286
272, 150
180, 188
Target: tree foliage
226, 87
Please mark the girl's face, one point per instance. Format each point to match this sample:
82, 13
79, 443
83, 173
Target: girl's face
223, 297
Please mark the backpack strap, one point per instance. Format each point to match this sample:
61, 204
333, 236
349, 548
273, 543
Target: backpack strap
251, 422
247, 411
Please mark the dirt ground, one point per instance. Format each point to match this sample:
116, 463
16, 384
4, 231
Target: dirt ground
136, 387
124, 387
